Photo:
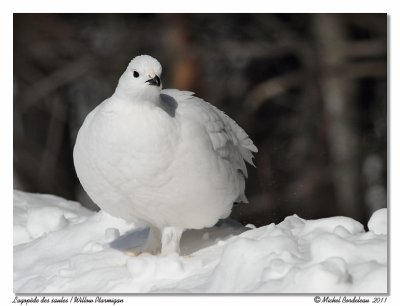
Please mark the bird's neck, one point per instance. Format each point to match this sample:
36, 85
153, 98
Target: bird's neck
150, 97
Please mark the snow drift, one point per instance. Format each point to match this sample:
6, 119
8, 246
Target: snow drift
61, 247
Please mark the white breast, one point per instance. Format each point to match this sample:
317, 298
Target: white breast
141, 162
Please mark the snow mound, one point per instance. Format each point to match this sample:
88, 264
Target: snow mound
378, 222
38, 214
61, 247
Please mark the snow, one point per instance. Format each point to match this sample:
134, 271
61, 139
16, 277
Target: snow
61, 247
35, 215
378, 222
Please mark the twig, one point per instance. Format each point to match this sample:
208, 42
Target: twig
376, 68
49, 84
365, 48
271, 88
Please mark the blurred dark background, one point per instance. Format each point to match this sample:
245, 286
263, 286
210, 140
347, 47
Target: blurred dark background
309, 89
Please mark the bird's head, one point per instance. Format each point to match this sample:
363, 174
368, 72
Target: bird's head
141, 80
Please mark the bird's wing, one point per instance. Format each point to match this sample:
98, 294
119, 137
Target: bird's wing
229, 140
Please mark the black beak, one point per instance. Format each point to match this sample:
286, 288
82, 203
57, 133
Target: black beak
154, 81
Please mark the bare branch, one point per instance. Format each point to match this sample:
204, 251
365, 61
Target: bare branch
367, 48
50, 83
271, 88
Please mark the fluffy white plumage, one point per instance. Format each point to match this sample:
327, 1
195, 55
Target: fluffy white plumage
163, 157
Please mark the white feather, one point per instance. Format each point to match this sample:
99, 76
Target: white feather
163, 157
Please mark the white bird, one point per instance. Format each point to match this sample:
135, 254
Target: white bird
162, 157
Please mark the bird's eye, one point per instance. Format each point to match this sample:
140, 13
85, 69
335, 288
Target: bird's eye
135, 74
